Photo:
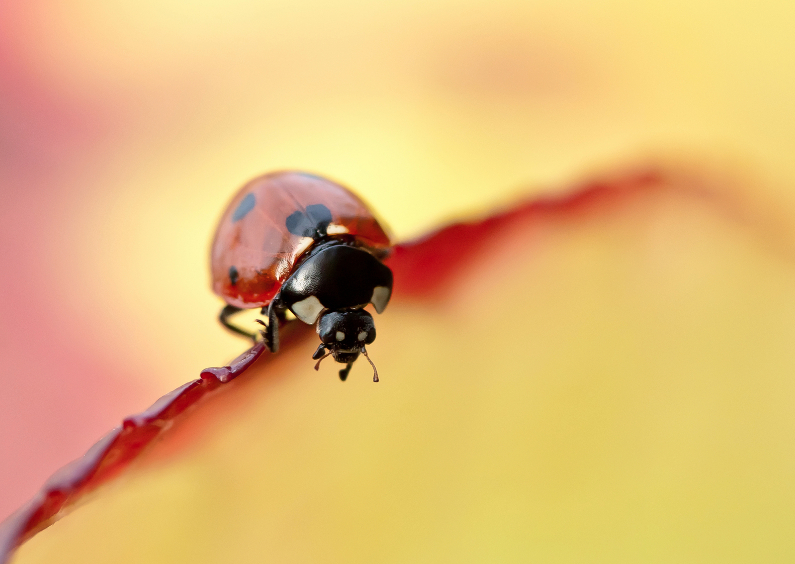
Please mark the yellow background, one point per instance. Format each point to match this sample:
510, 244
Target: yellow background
127, 127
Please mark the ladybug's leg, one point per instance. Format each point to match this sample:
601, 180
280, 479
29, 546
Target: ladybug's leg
228, 312
275, 312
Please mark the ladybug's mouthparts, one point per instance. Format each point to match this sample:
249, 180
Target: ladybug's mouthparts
346, 356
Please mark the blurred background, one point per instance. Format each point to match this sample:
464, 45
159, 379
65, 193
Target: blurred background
126, 126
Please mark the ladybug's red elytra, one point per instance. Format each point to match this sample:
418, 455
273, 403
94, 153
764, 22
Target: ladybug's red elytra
296, 241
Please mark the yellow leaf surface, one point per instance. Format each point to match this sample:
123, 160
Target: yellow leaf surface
604, 378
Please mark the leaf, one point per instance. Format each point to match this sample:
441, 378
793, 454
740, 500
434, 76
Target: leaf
604, 375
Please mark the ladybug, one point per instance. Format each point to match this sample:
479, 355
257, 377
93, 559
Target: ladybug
299, 242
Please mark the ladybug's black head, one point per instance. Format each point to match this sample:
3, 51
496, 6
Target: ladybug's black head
344, 334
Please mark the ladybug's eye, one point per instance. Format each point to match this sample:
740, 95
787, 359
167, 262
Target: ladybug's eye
362, 336
340, 336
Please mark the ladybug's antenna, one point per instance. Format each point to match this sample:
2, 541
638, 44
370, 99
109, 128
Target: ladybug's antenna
317, 364
375, 370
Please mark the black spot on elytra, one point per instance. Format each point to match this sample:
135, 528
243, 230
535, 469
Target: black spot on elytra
233, 275
311, 223
246, 205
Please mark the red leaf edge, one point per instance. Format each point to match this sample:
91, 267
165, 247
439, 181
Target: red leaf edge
111, 454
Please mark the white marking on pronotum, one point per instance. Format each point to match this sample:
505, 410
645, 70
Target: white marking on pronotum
380, 298
362, 336
334, 229
308, 309
340, 336
303, 245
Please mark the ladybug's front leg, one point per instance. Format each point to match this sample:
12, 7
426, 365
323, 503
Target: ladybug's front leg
275, 312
